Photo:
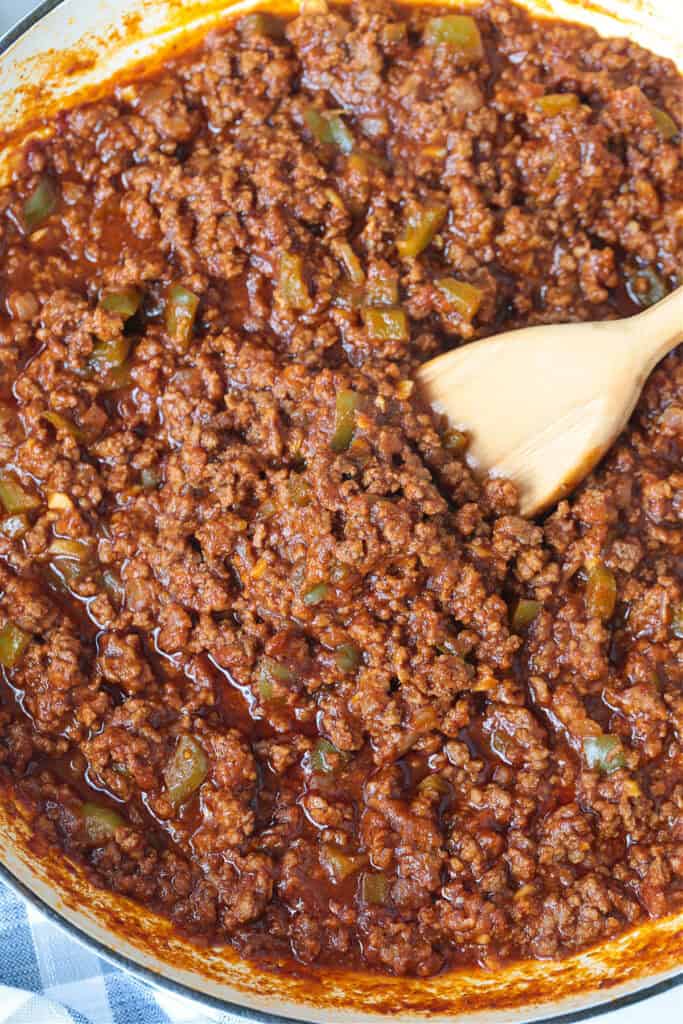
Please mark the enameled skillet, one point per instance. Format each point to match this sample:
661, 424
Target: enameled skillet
67, 50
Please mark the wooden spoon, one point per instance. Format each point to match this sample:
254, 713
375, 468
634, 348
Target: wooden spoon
542, 405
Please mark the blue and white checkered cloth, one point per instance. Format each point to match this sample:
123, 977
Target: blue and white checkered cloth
48, 978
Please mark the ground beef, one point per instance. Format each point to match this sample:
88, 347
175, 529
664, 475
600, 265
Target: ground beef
275, 662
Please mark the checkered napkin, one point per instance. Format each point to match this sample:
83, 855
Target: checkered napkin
48, 978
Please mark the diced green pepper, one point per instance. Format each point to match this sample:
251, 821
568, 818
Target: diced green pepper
291, 284
265, 688
62, 425
63, 547
434, 785
318, 126
317, 594
601, 592
677, 621
109, 355
14, 496
123, 303
666, 126
374, 888
271, 671
277, 670
347, 657
181, 311
344, 252
341, 134
555, 103
604, 753
100, 823
261, 23
345, 424
524, 614
338, 864
69, 560
320, 756
187, 769
329, 129
40, 205
386, 323
13, 643
67, 571
420, 229
458, 32
464, 298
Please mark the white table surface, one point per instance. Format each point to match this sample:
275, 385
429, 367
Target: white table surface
666, 1008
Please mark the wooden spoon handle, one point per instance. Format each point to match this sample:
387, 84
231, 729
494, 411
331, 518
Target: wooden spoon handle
659, 329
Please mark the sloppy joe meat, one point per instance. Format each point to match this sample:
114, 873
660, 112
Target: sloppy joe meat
275, 663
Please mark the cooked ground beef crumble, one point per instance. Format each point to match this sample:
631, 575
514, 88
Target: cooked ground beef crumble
275, 663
